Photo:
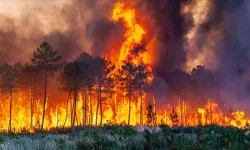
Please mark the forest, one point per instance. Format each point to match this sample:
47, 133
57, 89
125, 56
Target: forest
91, 81
122, 74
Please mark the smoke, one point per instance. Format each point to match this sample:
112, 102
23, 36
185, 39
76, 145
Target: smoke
180, 33
202, 32
63, 23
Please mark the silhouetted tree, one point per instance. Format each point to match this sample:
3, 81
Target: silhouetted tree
179, 81
127, 78
72, 80
202, 79
104, 81
45, 58
143, 77
9, 78
180, 84
89, 81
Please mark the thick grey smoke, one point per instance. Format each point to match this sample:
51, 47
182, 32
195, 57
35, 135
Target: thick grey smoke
73, 26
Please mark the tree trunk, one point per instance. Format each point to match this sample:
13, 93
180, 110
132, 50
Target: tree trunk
76, 115
211, 113
45, 96
66, 110
97, 108
10, 110
155, 115
74, 108
129, 97
141, 118
71, 111
85, 107
180, 109
31, 107
101, 107
90, 105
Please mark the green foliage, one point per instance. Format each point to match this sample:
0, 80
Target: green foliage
46, 58
125, 131
114, 137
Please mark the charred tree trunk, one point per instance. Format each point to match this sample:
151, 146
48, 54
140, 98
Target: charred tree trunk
155, 121
129, 98
97, 108
90, 105
141, 118
31, 106
101, 107
211, 113
66, 110
74, 109
76, 116
85, 107
180, 110
10, 110
45, 96
71, 111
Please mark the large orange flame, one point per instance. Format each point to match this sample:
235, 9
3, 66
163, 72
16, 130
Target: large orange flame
134, 31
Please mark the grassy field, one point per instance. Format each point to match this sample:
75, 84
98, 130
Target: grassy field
131, 138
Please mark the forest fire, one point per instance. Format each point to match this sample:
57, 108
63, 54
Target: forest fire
100, 102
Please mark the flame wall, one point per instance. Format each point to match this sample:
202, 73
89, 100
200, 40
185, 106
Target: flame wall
177, 34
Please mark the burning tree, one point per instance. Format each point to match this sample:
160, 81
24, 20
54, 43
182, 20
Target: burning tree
132, 78
72, 81
45, 58
9, 78
142, 79
104, 81
89, 81
127, 78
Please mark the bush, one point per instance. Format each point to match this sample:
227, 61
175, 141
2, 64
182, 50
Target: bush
126, 137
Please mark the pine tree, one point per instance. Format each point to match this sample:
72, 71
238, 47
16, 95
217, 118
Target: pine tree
46, 59
9, 78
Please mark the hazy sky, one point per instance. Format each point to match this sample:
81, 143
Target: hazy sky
15, 7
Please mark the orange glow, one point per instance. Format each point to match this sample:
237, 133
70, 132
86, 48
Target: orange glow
115, 107
114, 112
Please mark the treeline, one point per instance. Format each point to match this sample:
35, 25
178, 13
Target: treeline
87, 74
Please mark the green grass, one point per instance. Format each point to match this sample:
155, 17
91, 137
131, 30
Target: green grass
112, 137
